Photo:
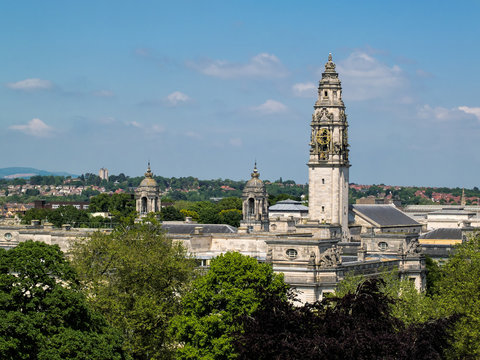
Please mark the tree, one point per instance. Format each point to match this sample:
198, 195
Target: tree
457, 291
231, 217
43, 314
434, 274
235, 285
359, 325
170, 213
408, 305
230, 203
135, 277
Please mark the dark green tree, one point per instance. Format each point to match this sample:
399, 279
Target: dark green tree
43, 313
359, 325
230, 203
231, 217
170, 213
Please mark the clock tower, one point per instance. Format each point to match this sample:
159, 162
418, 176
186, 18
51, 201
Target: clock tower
328, 164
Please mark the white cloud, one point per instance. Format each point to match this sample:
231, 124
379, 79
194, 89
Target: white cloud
155, 128
304, 89
367, 78
270, 107
31, 85
441, 114
471, 110
34, 127
104, 93
177, 98
262, 65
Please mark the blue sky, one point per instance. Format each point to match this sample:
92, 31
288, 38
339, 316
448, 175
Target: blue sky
203, 88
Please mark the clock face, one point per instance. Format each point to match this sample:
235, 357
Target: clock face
323, 136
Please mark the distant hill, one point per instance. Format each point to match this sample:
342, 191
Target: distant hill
27, 172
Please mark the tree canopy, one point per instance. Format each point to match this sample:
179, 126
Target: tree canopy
359, 325
457, 291
234, 285
43, 313
135, 277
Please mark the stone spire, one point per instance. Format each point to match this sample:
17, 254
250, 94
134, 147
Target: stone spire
255, 173
149, 173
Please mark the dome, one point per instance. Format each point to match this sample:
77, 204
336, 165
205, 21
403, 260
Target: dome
149, 181
255, 183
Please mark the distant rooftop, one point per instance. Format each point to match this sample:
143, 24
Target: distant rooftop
189, 228
288, 205
443, 233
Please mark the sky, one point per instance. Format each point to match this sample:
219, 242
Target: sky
206, 88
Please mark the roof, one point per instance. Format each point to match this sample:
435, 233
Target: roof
443, 233
148, 182
288, 205
384, 215
206, 228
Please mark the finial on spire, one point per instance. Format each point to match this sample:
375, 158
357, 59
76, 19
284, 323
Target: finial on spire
149, 172
330, 65
255, 173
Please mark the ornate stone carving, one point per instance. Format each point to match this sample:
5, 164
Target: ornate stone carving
324, 115
312, 260
331, 257
413, 248
330, 65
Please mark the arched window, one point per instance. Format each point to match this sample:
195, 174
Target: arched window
143, 208
251, 206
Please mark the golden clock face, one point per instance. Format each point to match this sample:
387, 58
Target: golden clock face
323, 136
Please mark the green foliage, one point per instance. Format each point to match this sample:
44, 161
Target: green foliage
135, 277
43, 314
234, 286
360, 325
458, 291
118, 204
170, 213
62, 215
231, 217
434, 275
230, 203
189, 213
409, 305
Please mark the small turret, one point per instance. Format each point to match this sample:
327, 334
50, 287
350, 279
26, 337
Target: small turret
255, 203
147, 194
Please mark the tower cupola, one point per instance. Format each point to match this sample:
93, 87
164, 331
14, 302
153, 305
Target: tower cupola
147, 194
